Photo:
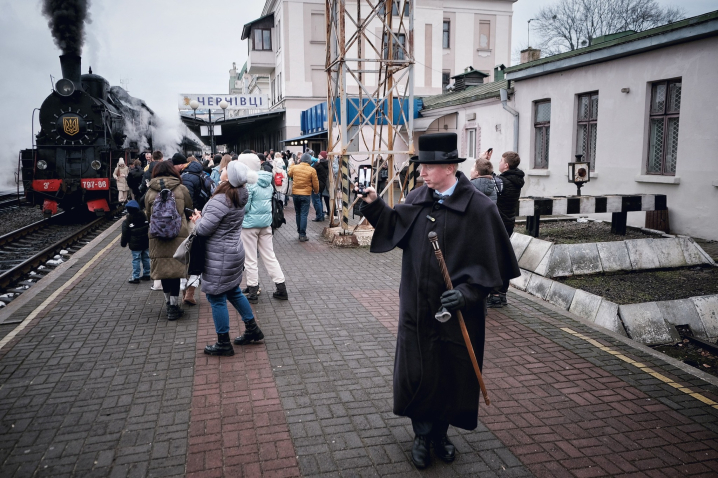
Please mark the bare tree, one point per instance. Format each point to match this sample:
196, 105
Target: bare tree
571, 24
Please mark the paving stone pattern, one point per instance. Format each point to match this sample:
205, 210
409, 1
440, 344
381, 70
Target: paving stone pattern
100, 384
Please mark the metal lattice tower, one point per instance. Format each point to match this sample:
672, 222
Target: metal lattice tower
370, 87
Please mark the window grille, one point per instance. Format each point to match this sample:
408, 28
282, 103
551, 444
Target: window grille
663, 127
587, 129
542, 132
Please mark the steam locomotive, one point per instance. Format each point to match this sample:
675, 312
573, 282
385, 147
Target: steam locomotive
84, 131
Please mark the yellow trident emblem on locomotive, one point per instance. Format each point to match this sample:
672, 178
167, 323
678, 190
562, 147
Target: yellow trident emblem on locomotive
71, 125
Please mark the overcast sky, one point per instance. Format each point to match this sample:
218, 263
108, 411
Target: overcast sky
162, 47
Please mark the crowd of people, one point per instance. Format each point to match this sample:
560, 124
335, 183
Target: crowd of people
226, 205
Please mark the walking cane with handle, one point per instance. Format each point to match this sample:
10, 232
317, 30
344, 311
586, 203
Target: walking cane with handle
434, 239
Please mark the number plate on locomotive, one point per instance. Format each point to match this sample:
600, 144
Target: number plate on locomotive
96, 184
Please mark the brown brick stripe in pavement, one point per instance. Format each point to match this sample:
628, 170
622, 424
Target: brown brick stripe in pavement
237, 425
565, 415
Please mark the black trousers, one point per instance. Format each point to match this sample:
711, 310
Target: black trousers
505, 287
436, 428
171, 287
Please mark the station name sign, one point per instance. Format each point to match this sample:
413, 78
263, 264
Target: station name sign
235, 102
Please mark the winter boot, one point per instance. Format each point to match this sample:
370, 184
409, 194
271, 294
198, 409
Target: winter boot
189, 296
281, 292
222, 347
502, 296
245, 291
494, 302
252, 333
252, 293
174, 311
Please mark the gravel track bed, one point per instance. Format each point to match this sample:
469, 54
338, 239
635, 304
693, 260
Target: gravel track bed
13, 219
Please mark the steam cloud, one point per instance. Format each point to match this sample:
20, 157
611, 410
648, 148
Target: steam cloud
66, 19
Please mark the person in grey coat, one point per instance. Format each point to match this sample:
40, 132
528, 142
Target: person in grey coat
483, 179
220, 222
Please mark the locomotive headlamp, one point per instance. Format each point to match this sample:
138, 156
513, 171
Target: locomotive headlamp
96, 165
65, 87
41, 164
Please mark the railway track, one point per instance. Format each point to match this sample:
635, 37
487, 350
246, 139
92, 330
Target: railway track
26, 251
9, 200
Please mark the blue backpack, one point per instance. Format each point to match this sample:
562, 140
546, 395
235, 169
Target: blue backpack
165, 222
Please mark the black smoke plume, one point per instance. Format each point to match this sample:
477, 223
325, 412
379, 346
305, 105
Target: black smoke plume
66, 19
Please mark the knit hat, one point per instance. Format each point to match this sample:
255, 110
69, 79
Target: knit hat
306, 158
120, 162
237, 173
322, 155
132, 205
250, 160
178, 158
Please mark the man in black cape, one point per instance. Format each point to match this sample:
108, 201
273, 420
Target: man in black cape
434, 380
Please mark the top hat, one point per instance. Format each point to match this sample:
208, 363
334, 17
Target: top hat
438, 148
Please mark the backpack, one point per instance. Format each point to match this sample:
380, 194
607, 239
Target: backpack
277, 211
165, 222
278, 179
205, 190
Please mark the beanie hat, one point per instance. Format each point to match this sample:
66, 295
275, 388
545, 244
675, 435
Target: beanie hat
306, 158
322, 155
132, 205
250, 160
178, 158
120, 162
237, 174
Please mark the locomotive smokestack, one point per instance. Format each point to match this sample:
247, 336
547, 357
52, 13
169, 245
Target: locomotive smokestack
71, 67
66, 19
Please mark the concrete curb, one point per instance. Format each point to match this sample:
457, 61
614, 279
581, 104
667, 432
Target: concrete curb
563, 260
651, 323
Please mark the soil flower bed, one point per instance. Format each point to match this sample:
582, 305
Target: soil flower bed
572, 232
648, 286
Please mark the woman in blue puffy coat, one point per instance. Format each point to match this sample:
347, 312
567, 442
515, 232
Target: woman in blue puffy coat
257, 236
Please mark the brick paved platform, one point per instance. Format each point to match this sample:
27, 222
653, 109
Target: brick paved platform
98, 383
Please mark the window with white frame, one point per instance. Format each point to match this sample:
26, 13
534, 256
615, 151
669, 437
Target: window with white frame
445, 38
587, 127
471, 143
542, 133
663, 127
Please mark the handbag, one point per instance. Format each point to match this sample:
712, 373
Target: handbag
191, 253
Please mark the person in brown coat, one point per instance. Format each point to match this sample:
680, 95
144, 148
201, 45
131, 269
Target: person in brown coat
304, 183
162, 265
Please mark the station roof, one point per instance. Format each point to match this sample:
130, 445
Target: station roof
470, 94
616, 46
232, 127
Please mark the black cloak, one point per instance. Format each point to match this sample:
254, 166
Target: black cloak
433, 375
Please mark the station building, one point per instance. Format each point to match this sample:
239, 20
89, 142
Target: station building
637, 106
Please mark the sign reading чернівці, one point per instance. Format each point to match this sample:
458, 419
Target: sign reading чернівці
235, 102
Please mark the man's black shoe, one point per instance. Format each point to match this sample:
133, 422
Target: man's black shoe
145, 278
494, 302
420, 452
134, 281
317, 219
444, 449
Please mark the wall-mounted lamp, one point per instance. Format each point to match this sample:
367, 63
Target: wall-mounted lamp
625, 90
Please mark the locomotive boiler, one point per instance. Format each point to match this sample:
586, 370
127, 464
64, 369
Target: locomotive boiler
84, 127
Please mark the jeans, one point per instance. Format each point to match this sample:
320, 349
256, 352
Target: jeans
220, 314
137, 258
317, 202
301, 209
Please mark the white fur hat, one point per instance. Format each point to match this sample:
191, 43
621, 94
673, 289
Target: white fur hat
238, 174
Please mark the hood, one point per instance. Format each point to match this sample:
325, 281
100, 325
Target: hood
194, 167
265, 179
170, 182
516, 176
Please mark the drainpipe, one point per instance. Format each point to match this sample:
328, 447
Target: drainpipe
504, 99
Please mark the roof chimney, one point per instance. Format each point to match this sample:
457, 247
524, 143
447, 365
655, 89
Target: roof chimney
530, 54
